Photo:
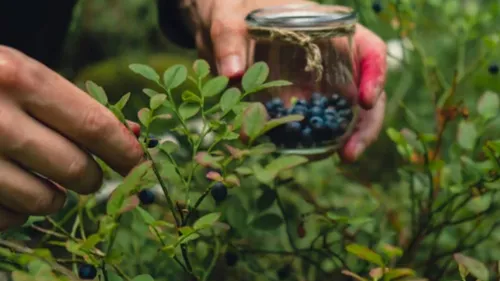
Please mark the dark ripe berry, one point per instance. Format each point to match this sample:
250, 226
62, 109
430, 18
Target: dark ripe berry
316, 111
342, 104
219, 192
321, 102
316, 122
147, 197
345, 113
493, 68
306, 137
293, 127
87, 272
284, 272
377, 7
277, 102
331, 112
231, 258
316, 96
152, 142
301, 102
298, 110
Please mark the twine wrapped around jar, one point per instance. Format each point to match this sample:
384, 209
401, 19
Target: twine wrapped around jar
305, 39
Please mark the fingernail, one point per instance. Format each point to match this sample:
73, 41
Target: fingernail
230, 66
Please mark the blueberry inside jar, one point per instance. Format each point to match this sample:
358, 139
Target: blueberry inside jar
310, 46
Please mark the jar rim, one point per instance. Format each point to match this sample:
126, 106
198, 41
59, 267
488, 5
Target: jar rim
301, 16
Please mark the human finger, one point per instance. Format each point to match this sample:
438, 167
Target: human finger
26, 193
44, 151
366, 132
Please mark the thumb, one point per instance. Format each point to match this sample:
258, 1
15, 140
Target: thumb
228, 34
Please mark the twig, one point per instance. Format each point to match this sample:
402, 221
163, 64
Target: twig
29, 251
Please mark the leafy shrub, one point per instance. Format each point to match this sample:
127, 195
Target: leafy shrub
280, 217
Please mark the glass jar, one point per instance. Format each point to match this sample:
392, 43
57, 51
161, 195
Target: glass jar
311, 46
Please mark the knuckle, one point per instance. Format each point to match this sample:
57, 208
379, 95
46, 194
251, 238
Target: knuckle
220, 27
97, 122
46, 203
77, 169
10, 68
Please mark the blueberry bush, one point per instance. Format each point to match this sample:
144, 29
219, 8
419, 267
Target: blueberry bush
221, 202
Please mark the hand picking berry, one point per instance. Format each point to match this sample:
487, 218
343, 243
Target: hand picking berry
87, 272
324, 119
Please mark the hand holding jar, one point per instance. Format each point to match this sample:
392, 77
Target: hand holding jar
336, 65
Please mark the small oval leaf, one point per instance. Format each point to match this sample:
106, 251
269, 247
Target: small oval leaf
188, 110
174, 76
146, 71
215, 86
255, 76
267, 222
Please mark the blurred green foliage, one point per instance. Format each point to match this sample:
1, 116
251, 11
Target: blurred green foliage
399, 193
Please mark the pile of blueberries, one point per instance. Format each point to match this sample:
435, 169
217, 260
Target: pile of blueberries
325, 118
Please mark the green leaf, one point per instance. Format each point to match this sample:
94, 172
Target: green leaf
272, 84
189, 96
475, 267
214, 86
143, 277
169, 146
146, 71
170, 250
188, 110
201, 68
206, 221
97, 92
131, 182
206, 160
365, 253
33, 219
150, 92
112, 276
254, 120
229, 99
397, 273
174, 76
255, 76
123, 101
146, 216
263, 149
144, 116
273, 123
488, 105
353, 275
392, 251
285, 162
266, 200
157, 101
267, 222
467, 135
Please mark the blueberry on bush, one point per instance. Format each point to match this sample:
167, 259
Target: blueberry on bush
493, 68
219, 192
231, 258
147, 197
377, 7
284, 272
87, 272
152, 142
324, 118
